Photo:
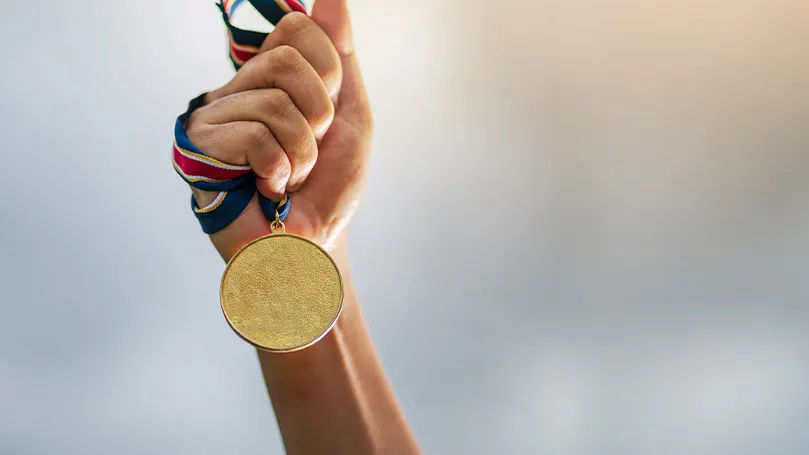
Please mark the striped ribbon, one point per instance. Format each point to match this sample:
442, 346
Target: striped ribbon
235, 185
245, 44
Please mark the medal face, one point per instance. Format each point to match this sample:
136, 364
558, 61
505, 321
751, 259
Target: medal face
281, 293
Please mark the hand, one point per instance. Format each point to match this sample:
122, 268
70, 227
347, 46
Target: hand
298, 115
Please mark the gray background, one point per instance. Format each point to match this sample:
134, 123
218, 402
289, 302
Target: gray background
586, 229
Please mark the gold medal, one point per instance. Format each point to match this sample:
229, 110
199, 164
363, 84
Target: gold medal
281, 292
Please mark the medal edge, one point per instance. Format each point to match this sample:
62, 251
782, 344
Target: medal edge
295, 348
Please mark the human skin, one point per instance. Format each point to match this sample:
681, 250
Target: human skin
299, 115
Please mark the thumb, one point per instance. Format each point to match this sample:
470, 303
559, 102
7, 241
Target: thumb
332, 16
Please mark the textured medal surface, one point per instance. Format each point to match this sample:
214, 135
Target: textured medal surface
281, 293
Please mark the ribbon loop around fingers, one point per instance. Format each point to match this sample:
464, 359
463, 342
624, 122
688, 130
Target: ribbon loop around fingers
236, 185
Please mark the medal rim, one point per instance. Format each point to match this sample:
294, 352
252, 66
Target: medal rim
296, 348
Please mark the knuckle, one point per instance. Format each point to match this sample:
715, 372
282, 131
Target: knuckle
198, 131
193, 126
196, 118
299, 30
287, 58
281, 103
256, 133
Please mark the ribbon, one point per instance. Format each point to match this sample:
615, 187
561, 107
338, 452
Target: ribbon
235, 184
245, 44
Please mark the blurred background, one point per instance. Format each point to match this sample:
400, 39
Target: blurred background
586, 229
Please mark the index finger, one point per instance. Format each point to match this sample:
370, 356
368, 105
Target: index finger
301, 32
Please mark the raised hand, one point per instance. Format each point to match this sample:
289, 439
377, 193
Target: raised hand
298, 115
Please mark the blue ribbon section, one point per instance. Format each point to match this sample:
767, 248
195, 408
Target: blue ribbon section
234, 193
241, 36
267, 8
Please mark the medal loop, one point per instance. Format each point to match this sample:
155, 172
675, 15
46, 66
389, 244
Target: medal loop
277, 226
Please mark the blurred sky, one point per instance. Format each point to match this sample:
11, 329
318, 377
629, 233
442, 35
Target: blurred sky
586, 229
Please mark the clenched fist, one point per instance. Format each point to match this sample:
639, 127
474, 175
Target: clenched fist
298, 115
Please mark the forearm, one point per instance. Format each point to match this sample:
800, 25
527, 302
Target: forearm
334, 397
298, 116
